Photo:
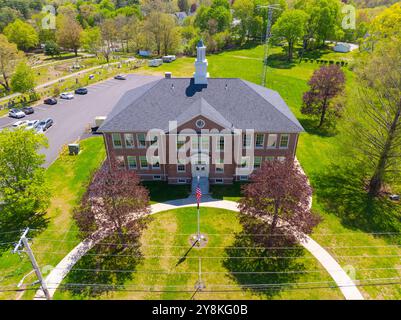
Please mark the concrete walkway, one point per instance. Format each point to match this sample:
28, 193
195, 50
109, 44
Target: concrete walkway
341, 278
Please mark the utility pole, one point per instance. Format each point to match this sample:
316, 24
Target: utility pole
23, 242
270, 9
199, 286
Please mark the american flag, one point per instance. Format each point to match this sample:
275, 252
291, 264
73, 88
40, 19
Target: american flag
198, 194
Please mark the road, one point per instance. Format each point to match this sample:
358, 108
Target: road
71, 117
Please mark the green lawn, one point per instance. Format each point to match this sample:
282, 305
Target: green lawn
348, 216
68, 177
160, 191
163, 247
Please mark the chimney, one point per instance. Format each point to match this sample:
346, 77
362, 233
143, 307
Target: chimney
167, 75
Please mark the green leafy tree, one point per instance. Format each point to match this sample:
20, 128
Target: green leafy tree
9, 58
8, 15
22, 34
51, 48
68, 33
291, 26
323, 22
23, 79
244, 11
24, 193
91, 40
183, 5
375, 126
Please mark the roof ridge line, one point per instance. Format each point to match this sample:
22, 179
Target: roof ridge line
292, 121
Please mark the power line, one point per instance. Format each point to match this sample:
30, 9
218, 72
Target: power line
230, 234
225, 257
222, 247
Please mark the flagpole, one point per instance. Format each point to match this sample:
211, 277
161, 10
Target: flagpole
198, 219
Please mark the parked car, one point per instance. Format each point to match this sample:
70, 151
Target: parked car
67, 95
81, 91
20, 123
16, 113
28, 110
50, 101
31, 125
44, 125
395, 197
120, 77
169, 58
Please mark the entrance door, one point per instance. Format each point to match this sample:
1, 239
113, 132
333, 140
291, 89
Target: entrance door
200, 165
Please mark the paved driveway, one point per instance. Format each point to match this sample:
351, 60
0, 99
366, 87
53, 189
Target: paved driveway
71, 117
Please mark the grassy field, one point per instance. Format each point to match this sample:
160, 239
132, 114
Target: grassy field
350, 219
68, 177
167, 266
351, 222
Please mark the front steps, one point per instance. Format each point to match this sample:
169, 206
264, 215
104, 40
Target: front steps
203, 184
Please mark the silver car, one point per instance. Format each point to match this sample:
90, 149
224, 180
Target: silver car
16, 113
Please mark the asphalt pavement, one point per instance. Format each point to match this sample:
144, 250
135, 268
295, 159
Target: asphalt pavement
72, 117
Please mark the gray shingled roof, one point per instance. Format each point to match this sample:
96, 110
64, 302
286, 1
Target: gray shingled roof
230, 102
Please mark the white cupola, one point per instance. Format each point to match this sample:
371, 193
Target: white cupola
201, 74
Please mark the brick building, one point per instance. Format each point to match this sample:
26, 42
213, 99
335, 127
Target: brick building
220, 129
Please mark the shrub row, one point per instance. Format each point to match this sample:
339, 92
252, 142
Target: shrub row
323, 61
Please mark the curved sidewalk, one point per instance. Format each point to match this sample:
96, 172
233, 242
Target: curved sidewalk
341, 278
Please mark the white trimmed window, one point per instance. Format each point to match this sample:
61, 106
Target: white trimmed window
153, 140
129, 140
270, 158
131, 162
155, 163
116, 137
259, 141
205, 143
180, 167
182, 181
244, 162
180, 142
220, 143
158, 177
243, 178
141, 140
246, 141
282, 159
284, 139
218, 181
257, 162
271, 141
143, 162
219, 167
120, 163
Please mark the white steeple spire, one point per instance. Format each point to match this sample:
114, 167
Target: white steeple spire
201, 74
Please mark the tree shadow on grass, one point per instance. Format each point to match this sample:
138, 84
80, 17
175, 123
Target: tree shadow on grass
340, 189
280, 61
107, 267
248, 268
12, 224
310, 126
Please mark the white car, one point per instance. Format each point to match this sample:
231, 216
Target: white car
32, 124
20, 123
16, 113
67, 95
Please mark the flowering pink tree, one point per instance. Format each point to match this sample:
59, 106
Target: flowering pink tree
279, 194
115, 201
325, 84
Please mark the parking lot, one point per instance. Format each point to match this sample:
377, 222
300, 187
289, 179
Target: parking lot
71, 117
